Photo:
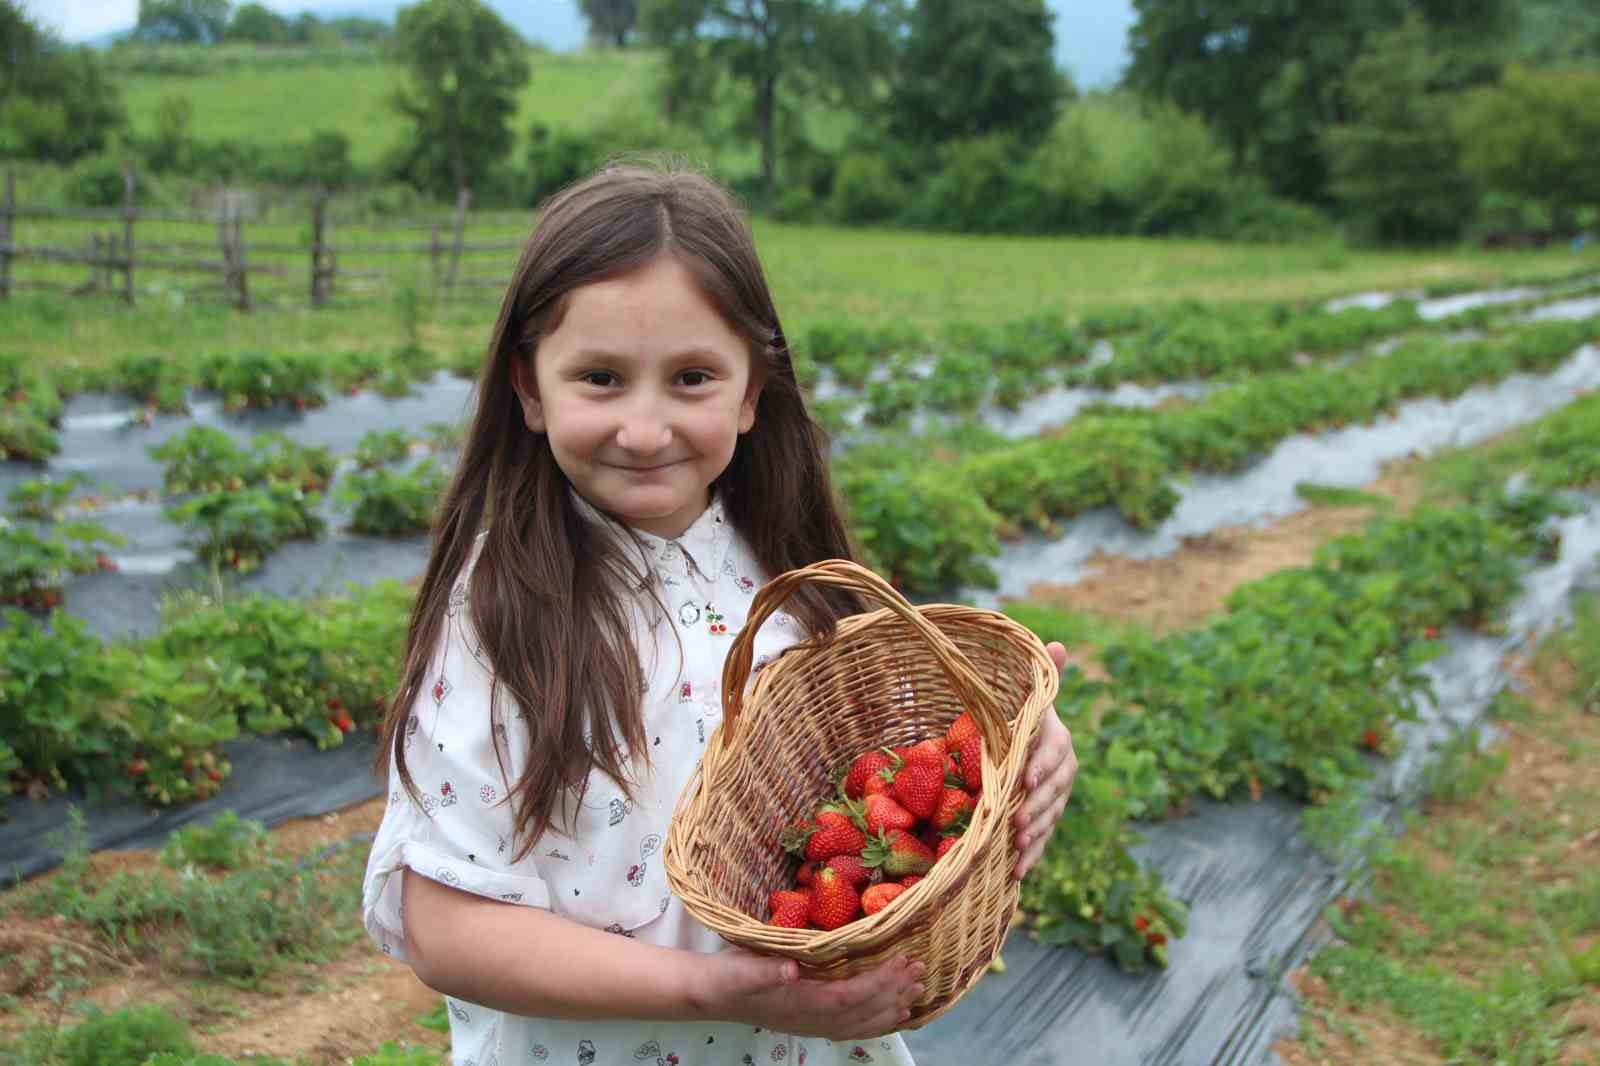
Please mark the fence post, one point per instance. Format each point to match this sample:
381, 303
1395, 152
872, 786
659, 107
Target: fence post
129, 213
238, 258
318, 217
463, 198
6, 209
434, 249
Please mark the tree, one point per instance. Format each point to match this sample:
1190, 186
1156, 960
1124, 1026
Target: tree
55, 102
1396, 163
1536, 136
258, 24
611, 20
778, 50
1270, 77
185, 21
465, 67
971, 70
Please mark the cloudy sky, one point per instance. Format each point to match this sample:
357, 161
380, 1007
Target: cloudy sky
1091, 34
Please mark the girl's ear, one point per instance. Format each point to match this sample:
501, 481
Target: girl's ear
527, 388
747, 407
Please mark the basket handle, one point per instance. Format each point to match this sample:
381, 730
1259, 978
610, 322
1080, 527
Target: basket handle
978, 698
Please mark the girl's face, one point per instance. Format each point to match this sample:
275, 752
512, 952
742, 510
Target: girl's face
642, 391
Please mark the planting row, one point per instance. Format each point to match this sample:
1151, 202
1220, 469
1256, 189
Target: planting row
234, 504
1292, 689
933, 516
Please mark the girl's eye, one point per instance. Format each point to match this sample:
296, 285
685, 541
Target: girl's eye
602, 378
695, 377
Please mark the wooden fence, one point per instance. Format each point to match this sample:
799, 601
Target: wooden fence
112, 258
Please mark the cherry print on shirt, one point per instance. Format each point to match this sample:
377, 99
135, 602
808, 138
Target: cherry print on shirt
685, 693
714, 621
802, 1055
647, 847
585, 1052
781, 1051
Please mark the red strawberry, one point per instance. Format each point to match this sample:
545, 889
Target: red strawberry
793, 914
804, 875
877, 784
954, 808
898, 853
969, 753
882, 812
851, 868
944, 847
917, 786
878, 897
782, 896
962, 728
866, 766
834, 902
831, 834
1140, 922
928, 752
909, 880
1432, 632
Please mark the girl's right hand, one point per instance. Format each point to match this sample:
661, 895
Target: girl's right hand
741, 986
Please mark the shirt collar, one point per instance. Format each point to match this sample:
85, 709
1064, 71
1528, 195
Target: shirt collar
704, 543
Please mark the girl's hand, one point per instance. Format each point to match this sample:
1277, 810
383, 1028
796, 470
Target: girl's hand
741, 986
1047, 778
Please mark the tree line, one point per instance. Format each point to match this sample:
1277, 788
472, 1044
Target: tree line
1403, 120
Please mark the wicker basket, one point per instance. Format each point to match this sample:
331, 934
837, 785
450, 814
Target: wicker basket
890, 676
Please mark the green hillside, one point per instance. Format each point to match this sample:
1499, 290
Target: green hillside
266, 104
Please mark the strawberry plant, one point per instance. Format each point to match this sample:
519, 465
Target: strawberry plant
264, 379
388, 503
42, 498
350, 372
922, 528
53, 681
156, 380
278, 459
35, 560
202, 459
238, 529
380, 446
30, 409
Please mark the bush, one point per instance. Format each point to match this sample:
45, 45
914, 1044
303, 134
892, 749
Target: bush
125, 1037
974, 190
865, 190
96, 181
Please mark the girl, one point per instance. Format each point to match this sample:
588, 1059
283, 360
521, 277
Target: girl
640, 461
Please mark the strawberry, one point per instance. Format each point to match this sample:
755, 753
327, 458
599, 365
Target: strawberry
969, 753
793, 914
878, 897
785, 896
944, 847
878, 784
1432, 632
882, 812
834, 902
804, 875
851, 868
898, 853
866, 766
831, 834
960, 729
917, 786
909, 880
954, 809
1140, 922
929, 752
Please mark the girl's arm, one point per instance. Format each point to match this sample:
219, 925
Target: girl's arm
529, 961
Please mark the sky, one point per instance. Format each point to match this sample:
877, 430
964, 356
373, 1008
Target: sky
1091, 35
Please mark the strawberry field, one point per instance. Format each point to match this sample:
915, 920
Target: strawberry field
204, 562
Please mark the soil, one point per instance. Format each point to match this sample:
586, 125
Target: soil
1552, 770
1181, 590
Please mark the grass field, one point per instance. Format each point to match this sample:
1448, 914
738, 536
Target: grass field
817, 273
264, 104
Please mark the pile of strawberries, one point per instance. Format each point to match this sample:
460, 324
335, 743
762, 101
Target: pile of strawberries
898, 811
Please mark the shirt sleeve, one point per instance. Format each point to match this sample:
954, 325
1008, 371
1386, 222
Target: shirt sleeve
459, 829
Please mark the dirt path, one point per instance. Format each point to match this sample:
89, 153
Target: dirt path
1551, 779
1180, 590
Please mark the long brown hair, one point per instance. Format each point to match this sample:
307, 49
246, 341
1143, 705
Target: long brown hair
548, 598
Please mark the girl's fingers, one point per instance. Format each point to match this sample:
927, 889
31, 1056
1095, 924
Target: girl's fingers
882, 992
1056, 766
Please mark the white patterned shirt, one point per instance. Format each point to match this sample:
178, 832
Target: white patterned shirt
608, 873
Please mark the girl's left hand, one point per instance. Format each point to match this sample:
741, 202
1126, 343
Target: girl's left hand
1052, 765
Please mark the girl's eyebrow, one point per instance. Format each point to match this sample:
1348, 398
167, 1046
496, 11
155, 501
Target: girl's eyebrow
698, 352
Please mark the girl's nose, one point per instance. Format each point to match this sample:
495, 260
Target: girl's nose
643, 432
